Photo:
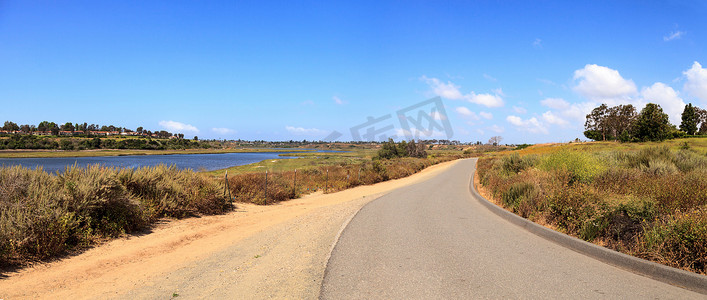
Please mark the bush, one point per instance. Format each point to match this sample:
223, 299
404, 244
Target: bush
516, 193
515, 163
650, 203
579, 166
43, 215
679, 241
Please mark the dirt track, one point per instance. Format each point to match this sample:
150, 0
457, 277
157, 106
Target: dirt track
254, 252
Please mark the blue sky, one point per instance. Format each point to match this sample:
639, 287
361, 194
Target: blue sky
528, 72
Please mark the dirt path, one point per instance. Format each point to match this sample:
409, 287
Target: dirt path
254, 252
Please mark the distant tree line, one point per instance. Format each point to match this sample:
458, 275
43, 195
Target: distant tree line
82, 129
624, 124
34, 142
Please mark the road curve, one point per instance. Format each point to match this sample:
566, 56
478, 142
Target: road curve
433, 240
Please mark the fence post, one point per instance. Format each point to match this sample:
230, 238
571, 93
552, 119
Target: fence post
294, 185
266, 187
225, 185
359, 175
326, 181
228, 188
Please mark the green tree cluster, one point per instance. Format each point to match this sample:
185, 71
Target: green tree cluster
622, 123
391, 149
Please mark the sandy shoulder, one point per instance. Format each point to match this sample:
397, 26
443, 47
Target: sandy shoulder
254, 252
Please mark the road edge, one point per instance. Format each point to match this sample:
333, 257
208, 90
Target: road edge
663, 273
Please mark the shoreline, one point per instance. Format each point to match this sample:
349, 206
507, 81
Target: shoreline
31, 153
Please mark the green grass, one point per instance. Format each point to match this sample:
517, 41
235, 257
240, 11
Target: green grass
304, 160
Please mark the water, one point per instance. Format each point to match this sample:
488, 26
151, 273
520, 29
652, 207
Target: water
195, 162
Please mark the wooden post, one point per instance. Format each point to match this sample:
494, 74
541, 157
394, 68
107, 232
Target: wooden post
294, 185
266, 187
326, 181
228, 188
359, 175
225, 185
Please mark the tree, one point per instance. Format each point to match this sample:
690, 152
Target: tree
652, 124
46, 126
416, 149
139, 130
25, 128
596, 124
196, 138
689, 120
43, 126
388, 150
610, 123
68, 127
10, 126
495, 140
54, 128
620, 119
702, 117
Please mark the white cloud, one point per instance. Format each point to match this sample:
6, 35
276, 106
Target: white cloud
437, 116
578, 111
519, 110
537, 43
675, 35
486, 115
668, 99
496, 128
555, 103
445, 90
464, 111
338, 100
531, 125
487, 100
602, 83
304, 131
551, 118
490, 78
177, 127
221, 130
696, 84
451, 91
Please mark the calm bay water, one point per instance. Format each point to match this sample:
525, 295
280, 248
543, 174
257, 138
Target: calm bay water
195, 162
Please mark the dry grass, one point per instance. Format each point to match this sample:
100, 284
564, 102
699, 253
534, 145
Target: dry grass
43, 215
648, 201
282, 185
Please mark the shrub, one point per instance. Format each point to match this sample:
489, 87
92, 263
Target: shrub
579, 166
679, 241
517, 193
43, 215
515, 163
571, 208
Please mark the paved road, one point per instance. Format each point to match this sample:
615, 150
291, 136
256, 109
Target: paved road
434, 240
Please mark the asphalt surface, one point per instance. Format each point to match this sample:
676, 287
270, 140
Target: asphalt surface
434, 240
